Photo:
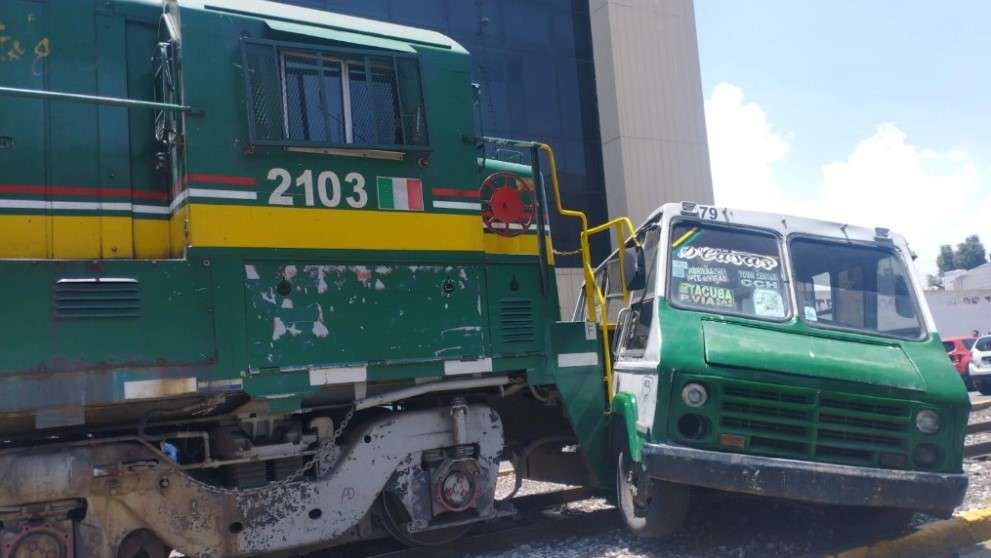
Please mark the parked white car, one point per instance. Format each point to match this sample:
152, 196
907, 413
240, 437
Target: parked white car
980, 364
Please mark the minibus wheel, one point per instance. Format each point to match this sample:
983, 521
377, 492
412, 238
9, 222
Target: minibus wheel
650, 508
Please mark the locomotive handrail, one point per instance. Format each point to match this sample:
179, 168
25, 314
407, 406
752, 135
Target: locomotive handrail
96, 99
595, 300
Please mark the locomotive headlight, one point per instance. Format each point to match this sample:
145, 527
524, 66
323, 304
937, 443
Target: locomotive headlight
694, 395
927, 421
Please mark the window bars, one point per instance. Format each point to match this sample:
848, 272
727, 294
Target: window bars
301, 95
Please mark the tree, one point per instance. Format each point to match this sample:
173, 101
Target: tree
934, 281
945, 259
969, 254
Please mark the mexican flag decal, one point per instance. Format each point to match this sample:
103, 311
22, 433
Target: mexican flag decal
400, 194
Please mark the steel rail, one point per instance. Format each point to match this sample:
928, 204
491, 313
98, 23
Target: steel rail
982, 449
979, 449
978, 427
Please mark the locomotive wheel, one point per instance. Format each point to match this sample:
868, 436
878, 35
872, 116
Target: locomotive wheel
142, 544
650, 508
392, 511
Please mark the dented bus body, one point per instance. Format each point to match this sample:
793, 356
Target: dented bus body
779, 356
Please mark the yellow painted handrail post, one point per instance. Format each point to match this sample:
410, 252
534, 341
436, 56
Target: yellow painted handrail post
603, 314
583, 245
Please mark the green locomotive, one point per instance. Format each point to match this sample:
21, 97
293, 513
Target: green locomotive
269, 297
268, 294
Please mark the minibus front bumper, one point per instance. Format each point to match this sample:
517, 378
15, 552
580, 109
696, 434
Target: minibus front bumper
826, 483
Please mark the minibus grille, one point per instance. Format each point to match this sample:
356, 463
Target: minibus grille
805, 423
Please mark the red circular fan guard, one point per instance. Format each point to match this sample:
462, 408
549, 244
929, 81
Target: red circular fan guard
508, 203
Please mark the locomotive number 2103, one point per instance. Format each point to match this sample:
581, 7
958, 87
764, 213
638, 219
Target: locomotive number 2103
326, 188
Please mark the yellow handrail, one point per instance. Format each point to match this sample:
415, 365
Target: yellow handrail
595, 300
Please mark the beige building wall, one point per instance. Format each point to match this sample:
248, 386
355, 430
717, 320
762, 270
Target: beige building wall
649, 90
569, 288
650, 104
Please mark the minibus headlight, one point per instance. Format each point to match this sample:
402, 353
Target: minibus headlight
694, 395
927, 421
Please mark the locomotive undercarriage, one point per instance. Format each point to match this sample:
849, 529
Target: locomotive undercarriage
421, 470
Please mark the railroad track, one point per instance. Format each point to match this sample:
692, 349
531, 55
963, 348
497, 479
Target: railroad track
540, 520
980, 449
719, 525
538, 517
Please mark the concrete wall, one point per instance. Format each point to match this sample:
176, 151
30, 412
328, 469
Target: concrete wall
958, 313
650, 104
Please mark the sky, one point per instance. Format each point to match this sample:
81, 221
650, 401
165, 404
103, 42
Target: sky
869, 112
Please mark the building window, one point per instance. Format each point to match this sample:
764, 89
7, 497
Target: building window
309, 97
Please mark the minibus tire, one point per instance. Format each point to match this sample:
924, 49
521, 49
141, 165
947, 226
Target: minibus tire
665, 509
983, 386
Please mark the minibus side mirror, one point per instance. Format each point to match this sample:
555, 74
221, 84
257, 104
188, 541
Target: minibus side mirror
634, 265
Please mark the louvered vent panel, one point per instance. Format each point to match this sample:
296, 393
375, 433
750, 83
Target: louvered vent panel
516, 320
97, 297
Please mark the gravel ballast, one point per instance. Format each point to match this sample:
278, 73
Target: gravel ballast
978, 470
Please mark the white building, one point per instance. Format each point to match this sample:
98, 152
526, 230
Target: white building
961, 280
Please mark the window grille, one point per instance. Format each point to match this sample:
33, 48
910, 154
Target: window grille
299, 95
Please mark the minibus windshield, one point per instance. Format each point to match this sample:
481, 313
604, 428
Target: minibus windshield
854, 286
727, 271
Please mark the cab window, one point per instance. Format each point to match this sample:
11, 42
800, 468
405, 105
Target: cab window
319, 97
